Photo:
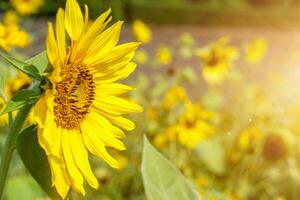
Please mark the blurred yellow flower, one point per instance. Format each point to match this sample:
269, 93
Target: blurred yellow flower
193, 127
175, 95
141, 57
10, 17
163, 55
11, 87
152, 113
160, 140
186, 39
141, 31
14, 84
217, 58
202, 181
27, 7
11, 36
256, 50
249, 137
122, 160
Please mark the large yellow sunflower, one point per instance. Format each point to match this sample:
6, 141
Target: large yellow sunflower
83, 111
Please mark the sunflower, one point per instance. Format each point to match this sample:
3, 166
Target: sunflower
10, 17
217, 59
12, 36
163, 55
27, 7
175, 95
83, 110
193, 126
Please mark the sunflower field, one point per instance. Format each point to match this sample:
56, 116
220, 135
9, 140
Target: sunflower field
149, 100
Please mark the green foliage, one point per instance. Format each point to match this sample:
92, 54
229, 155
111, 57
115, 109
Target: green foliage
40, 61
24, 67
35, 159
161, 179
22, 98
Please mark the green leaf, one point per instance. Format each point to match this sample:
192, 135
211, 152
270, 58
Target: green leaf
27, 68
40, 61
35, 159
23, 97
161, 179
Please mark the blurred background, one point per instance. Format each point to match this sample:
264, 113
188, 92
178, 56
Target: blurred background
219, 83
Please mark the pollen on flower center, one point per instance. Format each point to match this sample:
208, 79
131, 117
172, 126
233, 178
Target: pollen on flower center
74, 96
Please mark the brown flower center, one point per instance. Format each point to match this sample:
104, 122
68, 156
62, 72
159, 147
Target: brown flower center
75, 93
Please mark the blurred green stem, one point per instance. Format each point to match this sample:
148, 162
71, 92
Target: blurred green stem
10, 145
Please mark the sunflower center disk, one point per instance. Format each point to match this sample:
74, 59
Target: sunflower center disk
75, 93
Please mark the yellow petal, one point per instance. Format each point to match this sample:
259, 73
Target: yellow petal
96, 147
122, 122
73, 19
76, 178
115, 105
105, 41
94, 30
60, 34
117, 75
51, 45
103, 130
82, 161
86, 17
60, 177
113, 88
39, 111
115, 53
50, 137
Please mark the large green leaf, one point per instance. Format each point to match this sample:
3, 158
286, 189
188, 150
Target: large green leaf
162, 180
27, 68
40, 61
23, 97
35, 159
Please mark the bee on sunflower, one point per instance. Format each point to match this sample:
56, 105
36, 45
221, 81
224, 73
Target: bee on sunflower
83, 110
217, 58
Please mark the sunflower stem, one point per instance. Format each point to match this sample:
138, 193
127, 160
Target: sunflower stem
10, 145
